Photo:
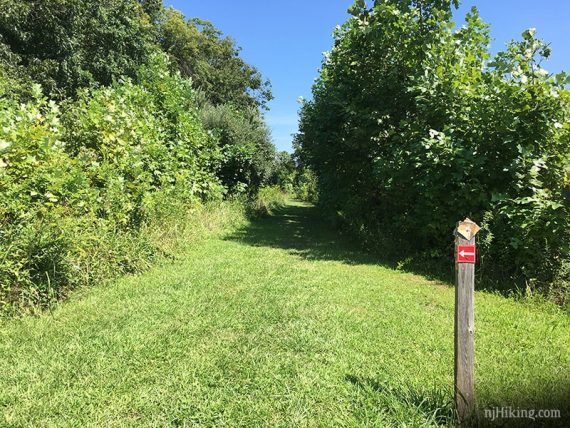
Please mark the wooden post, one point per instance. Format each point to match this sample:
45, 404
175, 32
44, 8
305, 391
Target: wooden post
465, 258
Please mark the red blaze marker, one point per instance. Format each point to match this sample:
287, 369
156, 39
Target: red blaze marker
466, 254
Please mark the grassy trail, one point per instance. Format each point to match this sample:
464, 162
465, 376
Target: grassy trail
279, 323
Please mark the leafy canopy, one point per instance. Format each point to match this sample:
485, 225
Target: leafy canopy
212, 61
70, 44
412, 128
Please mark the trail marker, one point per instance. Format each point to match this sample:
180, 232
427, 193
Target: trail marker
466, 254
465, 258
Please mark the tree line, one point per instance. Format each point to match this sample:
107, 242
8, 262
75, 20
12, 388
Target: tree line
414, 125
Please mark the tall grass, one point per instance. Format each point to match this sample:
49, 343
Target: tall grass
267, 201
60, 257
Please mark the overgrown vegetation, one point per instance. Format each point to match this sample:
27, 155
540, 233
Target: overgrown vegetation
247, 155
267, 201
105, 138
68, 45
294, 178
130, 134
413, 127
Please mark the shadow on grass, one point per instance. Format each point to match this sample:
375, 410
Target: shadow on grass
300, 229
434, 406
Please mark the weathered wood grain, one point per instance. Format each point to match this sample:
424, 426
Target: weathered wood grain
464, 333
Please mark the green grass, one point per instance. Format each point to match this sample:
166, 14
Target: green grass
279, 323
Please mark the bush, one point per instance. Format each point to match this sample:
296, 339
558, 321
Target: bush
306, 187
245, 145
267, 200
69, 45
81, 187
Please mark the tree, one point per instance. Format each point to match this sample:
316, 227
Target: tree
245, 142
411, 128
212, 61
153, 8
284, 171
70, 44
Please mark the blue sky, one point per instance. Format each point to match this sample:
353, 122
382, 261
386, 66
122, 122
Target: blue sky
285, 39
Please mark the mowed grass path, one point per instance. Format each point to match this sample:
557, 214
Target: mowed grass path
280, 323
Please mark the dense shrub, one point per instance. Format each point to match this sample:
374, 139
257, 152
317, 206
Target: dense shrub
267, 200
79, 182
306, 187
245, 145
294, 178
284, 171
412, 128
